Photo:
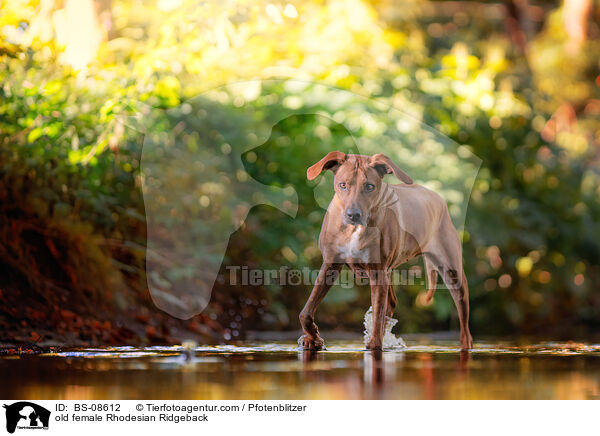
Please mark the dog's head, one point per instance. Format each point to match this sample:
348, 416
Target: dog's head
357, 181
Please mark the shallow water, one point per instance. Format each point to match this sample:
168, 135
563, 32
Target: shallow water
277, 370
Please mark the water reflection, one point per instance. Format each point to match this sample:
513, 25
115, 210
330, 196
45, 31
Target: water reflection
281, 371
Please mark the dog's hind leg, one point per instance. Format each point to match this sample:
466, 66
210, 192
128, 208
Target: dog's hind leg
460, 295
456, 282
327, 277
446, 255
432, 277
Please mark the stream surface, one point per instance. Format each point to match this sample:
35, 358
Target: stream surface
277, 370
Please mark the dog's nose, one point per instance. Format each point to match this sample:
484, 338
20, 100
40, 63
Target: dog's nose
354, 215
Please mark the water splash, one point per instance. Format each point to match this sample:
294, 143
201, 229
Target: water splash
390, 341
301, 342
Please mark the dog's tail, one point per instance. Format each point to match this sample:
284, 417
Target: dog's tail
432, 283
429, 295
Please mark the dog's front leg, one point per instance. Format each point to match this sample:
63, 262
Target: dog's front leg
380, 284
327, 277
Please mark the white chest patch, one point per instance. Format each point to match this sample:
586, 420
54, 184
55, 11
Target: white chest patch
351, 250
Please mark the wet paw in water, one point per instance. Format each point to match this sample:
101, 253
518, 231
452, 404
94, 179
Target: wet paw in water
305, 344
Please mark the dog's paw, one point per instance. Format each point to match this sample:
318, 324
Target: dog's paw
374, 345
466, 342
312, 344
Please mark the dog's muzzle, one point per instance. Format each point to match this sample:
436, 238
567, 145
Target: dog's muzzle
353, 215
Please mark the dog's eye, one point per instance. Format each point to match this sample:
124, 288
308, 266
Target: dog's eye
369, 187
342, 186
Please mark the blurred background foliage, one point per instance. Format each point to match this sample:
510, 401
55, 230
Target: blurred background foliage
435, 84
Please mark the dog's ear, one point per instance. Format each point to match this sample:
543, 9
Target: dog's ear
330, 162
384, 165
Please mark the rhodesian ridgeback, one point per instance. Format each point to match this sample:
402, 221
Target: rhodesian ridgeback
374, 227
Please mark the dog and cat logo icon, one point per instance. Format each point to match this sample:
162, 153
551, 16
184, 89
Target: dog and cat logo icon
26, 415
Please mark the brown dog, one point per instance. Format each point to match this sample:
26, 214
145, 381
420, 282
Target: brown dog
374, 227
